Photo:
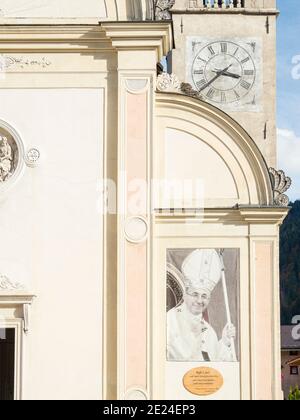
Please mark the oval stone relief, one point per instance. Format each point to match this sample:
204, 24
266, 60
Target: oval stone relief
9, 156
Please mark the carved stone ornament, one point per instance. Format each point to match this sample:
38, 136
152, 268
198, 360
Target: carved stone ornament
162, 9
12, 153
170, 83
11, 62
281, 183
7, 285
32, 157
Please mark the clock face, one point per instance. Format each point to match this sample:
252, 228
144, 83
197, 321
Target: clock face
226, 72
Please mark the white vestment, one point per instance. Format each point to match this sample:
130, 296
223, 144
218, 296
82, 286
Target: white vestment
191, 338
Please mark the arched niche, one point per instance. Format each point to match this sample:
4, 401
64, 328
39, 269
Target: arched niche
197, 142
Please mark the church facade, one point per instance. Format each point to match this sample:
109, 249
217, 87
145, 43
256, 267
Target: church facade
140, 200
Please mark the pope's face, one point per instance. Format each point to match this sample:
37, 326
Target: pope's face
196, 300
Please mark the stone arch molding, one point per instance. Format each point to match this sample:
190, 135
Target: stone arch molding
224, 156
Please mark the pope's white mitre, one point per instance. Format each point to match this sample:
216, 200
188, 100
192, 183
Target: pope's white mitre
202, 269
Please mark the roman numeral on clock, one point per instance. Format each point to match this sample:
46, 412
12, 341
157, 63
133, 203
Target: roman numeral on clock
237, 94
198, 71
211, 93
202, 59
223, 97
235, 52
245, 60
224, 47
211, 50
200, 83
249, 72
245, 84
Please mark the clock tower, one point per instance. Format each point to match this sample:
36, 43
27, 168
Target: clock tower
229, 51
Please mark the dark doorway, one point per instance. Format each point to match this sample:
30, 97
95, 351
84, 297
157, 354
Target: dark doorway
7, 364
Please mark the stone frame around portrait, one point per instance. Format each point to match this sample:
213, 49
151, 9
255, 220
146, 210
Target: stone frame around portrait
18, 147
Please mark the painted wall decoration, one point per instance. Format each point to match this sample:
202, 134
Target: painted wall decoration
203, 305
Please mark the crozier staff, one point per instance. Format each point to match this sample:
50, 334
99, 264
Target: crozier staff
5, 159
190, 337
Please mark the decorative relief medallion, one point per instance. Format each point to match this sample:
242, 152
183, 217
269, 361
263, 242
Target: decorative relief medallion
136, 229
32, 157
9, 157
203, 381
13, 156
281, 183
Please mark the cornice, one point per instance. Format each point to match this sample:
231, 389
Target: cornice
19, 299
227, 11
16, 298
239, 215
140, 35
53, 38
21, 36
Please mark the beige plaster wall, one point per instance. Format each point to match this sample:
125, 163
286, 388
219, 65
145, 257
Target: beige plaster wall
262, 305
136, 254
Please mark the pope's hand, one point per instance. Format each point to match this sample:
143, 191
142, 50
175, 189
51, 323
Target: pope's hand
229, 333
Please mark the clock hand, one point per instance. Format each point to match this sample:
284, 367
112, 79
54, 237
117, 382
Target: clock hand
229, 74
219, 74
233, 75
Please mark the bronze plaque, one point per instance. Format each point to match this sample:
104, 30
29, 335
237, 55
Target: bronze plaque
203, 381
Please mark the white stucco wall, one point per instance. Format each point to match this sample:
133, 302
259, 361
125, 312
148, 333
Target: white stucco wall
51, 226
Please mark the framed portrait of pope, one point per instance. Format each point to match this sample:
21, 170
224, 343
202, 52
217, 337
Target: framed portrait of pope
203, 305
